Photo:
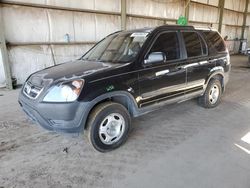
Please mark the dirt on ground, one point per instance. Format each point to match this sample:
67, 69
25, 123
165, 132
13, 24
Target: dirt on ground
33, 157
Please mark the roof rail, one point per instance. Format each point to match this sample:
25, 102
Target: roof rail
175, 25
205, 28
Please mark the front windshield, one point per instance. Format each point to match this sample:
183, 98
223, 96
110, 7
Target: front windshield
118, 47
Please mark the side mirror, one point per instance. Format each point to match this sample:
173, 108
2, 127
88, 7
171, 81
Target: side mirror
154, 57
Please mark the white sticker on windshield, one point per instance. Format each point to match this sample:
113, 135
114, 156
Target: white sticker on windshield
139, 35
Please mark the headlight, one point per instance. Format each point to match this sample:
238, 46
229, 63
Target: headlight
65, 92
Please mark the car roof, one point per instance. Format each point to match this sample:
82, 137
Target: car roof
171, 27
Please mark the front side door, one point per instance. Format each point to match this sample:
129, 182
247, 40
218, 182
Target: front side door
165, 78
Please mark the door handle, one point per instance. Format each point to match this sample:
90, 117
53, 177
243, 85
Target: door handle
163, 72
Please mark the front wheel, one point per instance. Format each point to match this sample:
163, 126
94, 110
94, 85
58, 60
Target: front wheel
108, 126
212, 96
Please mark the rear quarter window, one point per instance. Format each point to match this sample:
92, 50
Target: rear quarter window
214, 41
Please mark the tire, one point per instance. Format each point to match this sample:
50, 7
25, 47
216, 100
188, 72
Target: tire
212, 96
108, 126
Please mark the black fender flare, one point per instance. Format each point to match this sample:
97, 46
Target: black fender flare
216, 71
131, 103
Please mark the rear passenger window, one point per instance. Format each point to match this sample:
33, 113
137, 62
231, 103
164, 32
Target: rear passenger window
193, 44
215, 40
169, 44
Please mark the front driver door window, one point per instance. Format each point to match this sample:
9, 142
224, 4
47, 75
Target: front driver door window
162, 78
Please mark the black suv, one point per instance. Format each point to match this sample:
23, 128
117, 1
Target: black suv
127, 74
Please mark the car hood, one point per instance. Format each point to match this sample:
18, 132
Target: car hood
78, 68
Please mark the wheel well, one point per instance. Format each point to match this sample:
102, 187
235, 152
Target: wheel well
123, 100
221, 79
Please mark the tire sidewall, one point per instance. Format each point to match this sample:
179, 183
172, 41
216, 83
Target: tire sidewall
94, 129
210, 85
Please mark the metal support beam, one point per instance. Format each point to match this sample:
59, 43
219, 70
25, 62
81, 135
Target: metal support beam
244, 20
123, 14
221, 9
187, 4
52, 7
4, 53
151, 17
50, 43
203, 4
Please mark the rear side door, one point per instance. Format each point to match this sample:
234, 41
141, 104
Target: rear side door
198, 65
165, 79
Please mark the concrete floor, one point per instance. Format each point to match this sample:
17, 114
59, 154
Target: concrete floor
181, 145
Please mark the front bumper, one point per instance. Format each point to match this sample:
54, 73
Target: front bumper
59, 117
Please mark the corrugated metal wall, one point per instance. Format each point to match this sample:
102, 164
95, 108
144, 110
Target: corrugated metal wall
38, 37
25, 24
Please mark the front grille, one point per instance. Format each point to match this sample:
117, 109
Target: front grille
31, 90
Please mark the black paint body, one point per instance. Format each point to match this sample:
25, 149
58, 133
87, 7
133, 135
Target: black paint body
135, 84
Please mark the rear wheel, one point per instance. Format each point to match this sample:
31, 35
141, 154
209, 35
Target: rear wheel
212, 96
108, 126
